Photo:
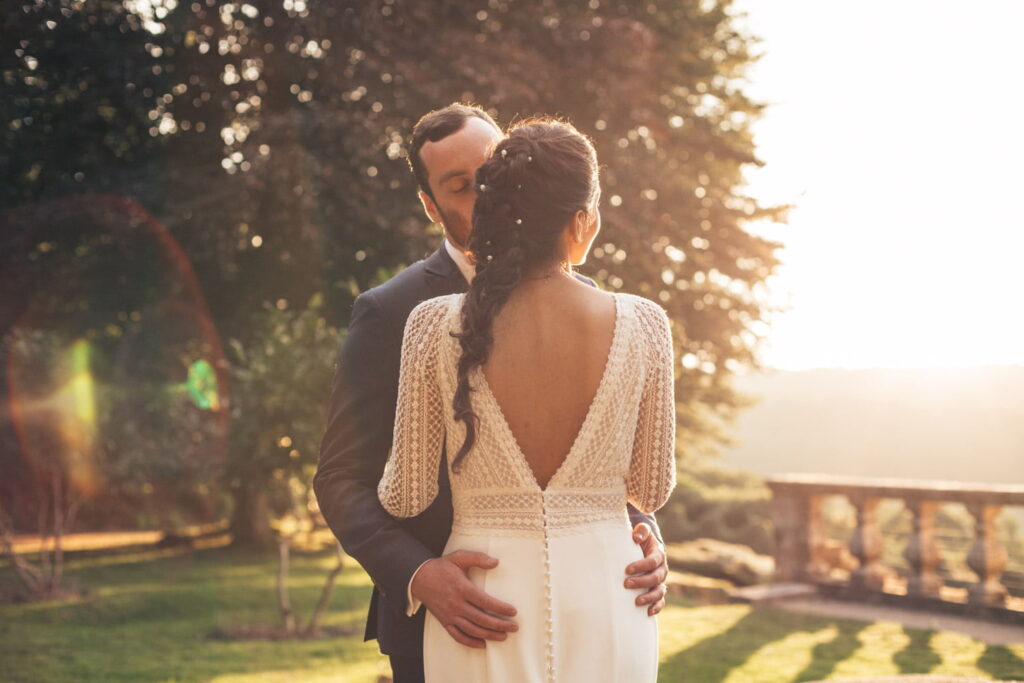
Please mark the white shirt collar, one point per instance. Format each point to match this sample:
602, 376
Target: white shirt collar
461, 260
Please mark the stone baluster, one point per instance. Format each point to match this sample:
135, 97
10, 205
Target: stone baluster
818, 566
921, 552
987, 557
866, 546
790, 518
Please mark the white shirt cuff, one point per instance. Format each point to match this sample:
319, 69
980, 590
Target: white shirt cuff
413, 603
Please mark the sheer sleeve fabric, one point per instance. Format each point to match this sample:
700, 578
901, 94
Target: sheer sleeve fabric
652, 470
409, 483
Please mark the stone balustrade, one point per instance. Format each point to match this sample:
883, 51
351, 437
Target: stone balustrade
804, 554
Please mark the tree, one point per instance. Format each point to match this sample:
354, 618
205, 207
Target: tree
280, 387
79, 79
269, 140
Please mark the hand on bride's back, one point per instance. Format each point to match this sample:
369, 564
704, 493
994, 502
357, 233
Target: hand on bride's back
443, 586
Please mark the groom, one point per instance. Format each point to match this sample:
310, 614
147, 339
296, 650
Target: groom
402, 556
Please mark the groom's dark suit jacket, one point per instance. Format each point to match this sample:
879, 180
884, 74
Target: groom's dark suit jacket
360, 424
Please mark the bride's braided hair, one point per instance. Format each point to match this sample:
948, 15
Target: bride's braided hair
537, 178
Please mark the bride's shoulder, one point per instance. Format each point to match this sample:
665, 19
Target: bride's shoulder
429, 311
650, 317
438, 303
642, 305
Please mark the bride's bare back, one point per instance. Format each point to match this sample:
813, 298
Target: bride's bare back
551, 344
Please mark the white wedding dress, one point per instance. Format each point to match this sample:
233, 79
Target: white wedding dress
562, 550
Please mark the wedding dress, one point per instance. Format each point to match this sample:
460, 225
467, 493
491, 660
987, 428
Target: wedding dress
562, 550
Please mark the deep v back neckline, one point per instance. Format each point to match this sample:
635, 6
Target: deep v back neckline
587, 418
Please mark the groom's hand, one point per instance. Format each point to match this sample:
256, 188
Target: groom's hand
649, 572
443, 585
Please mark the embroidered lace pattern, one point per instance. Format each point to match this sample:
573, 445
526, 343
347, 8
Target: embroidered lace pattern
623, 451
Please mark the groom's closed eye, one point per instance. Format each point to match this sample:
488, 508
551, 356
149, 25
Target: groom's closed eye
459, 186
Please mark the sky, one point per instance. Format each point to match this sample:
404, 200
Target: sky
895, 128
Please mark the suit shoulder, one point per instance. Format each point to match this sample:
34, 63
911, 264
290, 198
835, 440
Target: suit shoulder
404, 286
394, 300
585, 280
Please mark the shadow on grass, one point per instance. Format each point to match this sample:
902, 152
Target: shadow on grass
726, 652
917, 656
825, 656
1001, 663
713, 657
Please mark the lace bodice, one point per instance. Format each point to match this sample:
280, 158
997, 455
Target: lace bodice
624, 450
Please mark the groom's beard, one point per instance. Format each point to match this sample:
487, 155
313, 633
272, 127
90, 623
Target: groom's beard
456, 229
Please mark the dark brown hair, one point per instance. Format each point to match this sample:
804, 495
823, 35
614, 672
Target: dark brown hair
535, 181
437, 125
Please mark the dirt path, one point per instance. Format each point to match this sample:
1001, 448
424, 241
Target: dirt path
90, 541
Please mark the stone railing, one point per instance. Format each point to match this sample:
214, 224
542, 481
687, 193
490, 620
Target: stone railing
804, 554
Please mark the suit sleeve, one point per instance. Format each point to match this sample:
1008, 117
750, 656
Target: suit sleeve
652, 469
354, 450
409, 483
635, 517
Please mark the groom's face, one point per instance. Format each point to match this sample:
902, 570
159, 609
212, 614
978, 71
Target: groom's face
451, 165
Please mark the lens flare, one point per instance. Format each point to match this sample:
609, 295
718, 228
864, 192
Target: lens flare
201, 385
65, 417
115, 370
77, 421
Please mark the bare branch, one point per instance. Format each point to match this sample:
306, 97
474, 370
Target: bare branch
28, 574
283, 603
325, 594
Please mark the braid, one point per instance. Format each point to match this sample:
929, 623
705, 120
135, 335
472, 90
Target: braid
520, 208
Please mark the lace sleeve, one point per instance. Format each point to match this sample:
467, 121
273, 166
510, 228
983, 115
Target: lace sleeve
409, 483
652, 469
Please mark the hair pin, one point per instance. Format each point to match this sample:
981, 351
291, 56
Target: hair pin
490, 257
519, 221
504, 153
529, 158
482, 187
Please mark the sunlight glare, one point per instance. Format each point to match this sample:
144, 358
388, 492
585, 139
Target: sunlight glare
902, 250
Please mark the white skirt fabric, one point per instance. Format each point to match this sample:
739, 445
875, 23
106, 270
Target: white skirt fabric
577, 622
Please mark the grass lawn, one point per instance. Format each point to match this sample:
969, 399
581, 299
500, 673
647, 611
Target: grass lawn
149, 615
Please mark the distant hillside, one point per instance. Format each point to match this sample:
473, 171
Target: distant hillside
957, 424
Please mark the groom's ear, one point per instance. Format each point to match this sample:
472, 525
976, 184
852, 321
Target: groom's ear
430, 208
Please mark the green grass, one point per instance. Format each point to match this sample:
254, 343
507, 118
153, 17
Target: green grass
148, 617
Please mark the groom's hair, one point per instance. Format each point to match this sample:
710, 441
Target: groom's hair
437, 125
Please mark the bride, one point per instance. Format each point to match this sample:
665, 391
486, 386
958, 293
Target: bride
553, 404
